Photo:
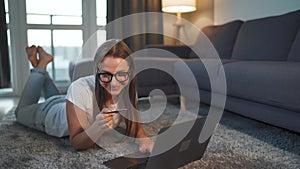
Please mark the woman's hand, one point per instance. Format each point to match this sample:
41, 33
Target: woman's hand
145, 145
83, 135
103, 123
112, 119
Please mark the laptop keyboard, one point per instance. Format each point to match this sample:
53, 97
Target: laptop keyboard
129, 162
141, 165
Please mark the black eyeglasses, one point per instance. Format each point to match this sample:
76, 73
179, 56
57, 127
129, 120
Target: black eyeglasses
107, 77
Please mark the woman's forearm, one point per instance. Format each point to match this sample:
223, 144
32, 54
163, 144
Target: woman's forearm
82, 141
86, 139
141, 132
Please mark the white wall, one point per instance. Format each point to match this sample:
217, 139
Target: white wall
228, 10
203, 16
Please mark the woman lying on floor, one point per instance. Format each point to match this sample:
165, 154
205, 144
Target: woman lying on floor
83, 113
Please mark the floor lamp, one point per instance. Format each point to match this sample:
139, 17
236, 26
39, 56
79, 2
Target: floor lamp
178, 6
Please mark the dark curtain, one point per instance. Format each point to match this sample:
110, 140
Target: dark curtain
4, 58
121, 8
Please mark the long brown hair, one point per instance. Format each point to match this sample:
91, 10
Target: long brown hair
118, 49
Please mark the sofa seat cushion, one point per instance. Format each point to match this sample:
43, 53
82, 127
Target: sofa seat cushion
222, 37
272, 83
154, 71
295, 50
200, 73
267, 39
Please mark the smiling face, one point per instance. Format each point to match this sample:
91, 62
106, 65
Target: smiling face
114, 65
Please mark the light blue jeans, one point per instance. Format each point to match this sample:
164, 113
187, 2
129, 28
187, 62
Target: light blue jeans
29, 112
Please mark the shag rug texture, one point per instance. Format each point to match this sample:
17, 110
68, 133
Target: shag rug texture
237, 142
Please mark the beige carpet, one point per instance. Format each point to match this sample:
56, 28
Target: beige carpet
237, 143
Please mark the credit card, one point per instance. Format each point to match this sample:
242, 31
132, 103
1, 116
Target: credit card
115, 111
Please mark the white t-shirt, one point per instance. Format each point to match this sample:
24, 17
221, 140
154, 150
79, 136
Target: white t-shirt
82, 94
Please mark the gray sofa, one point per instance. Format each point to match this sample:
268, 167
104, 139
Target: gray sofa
149, 77
261, 60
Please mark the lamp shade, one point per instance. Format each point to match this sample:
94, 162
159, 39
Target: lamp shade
182, 6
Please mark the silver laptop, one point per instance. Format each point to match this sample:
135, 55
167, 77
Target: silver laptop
184, 152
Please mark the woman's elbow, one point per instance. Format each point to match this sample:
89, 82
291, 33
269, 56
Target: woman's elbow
75, 144
78, 146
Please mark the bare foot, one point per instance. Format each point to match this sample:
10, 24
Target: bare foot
44, 58
32, 55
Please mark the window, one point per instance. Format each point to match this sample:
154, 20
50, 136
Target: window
7, 21
101, 20
61, 27
101, 12
64, 43
6, 10
54, 12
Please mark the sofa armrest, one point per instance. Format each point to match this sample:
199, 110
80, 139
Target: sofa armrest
81, 68
181, 51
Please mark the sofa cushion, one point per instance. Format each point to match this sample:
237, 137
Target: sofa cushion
200, 73
266, 82
268, 38
295, 50
81, 68
222, 38
154, 71
181, 72
181, 51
